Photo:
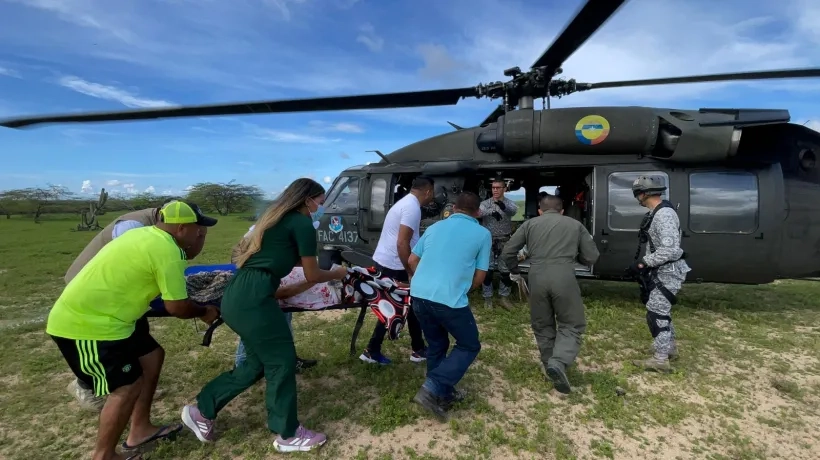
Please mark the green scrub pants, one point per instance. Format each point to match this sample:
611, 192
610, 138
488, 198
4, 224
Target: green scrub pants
250, 309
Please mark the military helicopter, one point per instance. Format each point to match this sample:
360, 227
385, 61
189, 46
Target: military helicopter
744, 181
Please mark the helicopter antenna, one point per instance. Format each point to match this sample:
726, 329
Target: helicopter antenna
380, 154
457, 127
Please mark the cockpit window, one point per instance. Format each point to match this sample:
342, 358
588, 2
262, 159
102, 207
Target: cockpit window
343, 196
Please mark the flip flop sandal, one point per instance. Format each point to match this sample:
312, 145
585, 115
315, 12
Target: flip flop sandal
169, 434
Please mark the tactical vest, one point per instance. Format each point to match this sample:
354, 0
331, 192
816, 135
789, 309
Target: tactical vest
146, 217
649, 280
643, 232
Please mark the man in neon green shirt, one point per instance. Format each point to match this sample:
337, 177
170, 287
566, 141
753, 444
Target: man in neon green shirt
93, 321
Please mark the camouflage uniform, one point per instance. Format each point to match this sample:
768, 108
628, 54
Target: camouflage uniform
665, 269
498, 222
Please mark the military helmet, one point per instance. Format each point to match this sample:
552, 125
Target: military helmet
647, 185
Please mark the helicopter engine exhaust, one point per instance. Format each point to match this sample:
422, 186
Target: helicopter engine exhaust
692, 136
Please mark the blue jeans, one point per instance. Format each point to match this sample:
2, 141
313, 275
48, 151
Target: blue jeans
240, 349
437, 321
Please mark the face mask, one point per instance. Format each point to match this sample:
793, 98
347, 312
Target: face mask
316, 215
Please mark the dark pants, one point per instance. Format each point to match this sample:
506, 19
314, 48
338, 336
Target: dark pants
437, 321
416, 337
269, 353
141, 328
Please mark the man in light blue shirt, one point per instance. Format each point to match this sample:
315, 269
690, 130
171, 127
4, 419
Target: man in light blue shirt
451, 258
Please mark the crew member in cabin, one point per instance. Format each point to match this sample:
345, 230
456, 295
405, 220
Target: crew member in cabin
400, 233
556, 243
82, 392
496, 215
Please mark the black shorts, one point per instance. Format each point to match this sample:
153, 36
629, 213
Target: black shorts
105, 365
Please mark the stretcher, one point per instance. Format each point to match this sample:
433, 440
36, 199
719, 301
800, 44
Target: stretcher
364, 288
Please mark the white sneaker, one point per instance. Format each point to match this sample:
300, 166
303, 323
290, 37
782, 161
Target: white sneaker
303, 440
85, 398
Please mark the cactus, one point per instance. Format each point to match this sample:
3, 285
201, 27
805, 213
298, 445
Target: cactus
89, 216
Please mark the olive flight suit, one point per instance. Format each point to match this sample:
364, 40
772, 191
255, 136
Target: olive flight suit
555, 243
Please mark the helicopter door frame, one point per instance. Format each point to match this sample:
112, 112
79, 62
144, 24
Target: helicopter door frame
588, 271
372, 214
617, 245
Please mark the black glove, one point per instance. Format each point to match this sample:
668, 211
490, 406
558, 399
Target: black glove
501, 205
637, 267
497, 215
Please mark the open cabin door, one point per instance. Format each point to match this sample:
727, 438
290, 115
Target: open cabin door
730, 220
618, 214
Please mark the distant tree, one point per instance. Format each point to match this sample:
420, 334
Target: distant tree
148, 200
225, 198
13, 202
33, 200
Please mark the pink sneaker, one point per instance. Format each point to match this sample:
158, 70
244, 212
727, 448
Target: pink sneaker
201, 426
303, 440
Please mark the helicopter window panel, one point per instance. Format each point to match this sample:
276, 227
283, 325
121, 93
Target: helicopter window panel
378, 198
625, 213
343, 197
723, 202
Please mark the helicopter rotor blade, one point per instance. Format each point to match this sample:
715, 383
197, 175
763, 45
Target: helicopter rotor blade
734, 76
430, 98
591, 17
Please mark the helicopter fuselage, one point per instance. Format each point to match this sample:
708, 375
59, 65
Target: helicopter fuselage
749, 218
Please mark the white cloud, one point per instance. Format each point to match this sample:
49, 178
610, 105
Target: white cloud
368, 38
287, 137
129, 188
189, 188
342, 127
6, 72
110, 93
112, 183
150, 189
86, 187
328, 179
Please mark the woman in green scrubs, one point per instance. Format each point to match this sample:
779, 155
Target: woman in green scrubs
284, 235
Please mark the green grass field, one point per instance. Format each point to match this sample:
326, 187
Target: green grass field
747, 385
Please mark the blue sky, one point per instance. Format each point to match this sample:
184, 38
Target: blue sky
72, 55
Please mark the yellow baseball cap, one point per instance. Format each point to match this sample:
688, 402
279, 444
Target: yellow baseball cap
185, 212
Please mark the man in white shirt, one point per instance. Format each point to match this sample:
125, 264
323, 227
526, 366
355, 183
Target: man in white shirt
400, 233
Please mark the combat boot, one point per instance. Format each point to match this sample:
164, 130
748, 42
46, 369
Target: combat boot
505, 303
488, 302
653, 364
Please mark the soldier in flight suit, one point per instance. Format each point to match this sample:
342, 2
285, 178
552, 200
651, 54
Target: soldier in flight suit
661, 271
556, 242
495, 214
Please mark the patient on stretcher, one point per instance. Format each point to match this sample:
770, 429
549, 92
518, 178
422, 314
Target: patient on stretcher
309, 296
